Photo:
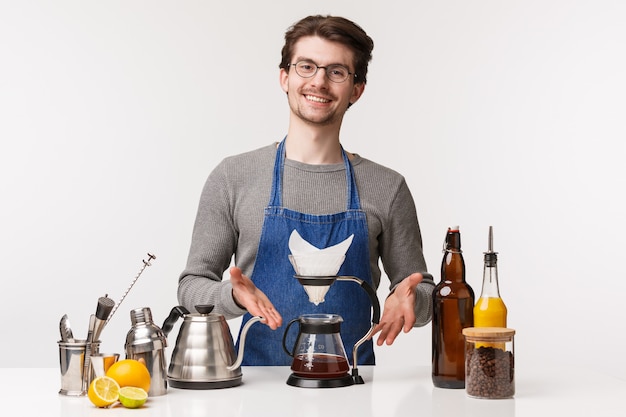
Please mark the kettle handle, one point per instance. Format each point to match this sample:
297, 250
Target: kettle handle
176, 312
290, 353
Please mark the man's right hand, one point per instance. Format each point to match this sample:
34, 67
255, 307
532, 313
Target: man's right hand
246, 294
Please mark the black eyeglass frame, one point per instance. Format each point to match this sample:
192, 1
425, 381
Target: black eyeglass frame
326, 70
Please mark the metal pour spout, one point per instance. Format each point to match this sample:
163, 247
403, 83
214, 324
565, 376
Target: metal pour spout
491, 257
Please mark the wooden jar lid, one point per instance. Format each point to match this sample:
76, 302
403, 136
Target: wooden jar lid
488, 333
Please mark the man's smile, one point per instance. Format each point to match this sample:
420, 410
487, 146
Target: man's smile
316, 99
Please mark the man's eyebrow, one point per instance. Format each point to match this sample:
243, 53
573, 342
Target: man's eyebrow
302, 58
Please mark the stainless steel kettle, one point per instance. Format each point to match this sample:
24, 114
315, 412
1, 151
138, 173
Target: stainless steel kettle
204, 355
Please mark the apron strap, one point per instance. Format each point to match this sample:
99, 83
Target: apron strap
277, 183
353, 194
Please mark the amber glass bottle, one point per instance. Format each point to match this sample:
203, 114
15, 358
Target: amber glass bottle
453, 307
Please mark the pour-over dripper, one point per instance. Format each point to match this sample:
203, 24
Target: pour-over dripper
316, 269
316, 277
320, 285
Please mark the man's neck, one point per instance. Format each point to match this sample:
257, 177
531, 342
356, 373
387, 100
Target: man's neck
313, 144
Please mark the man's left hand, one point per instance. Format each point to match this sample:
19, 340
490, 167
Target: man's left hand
399, 311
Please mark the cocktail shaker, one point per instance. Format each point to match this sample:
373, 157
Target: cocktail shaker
146, 343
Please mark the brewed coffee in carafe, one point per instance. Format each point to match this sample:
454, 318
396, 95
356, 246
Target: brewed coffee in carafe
318, 353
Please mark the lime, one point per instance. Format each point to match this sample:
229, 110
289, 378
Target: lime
132, 397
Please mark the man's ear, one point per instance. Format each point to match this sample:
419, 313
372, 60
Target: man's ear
283, 77
357, 92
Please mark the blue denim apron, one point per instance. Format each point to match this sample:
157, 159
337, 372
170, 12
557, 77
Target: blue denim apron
274, 275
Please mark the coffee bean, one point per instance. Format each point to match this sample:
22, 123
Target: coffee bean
489, 373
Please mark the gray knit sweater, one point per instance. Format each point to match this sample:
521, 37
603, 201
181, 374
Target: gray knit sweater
230, 219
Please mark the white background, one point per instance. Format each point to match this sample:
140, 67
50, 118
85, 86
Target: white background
503, 113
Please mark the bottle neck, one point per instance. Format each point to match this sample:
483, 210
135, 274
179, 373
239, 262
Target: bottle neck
453, 264
490, 277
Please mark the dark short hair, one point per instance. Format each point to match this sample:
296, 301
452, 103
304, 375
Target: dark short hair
335, 29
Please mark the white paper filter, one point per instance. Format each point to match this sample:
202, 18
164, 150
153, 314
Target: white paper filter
310, 261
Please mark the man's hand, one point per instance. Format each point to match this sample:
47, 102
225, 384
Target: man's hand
399, 311
254, 300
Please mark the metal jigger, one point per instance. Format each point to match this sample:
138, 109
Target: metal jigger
317, 287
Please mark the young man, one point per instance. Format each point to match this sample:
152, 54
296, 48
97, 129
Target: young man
316, 188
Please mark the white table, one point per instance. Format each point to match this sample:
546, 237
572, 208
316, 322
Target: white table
387, 392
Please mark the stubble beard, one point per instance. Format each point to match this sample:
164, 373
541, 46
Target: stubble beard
315, 118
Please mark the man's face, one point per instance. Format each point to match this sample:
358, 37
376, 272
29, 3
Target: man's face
318, 100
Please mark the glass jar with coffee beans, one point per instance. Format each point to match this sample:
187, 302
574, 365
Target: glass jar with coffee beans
489, 362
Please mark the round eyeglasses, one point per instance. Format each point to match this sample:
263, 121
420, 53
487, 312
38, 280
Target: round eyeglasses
335, 72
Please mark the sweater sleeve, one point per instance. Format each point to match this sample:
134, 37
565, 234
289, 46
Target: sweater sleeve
213, 244
402, 254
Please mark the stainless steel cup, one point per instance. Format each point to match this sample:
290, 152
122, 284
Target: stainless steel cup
101, 362
72, 360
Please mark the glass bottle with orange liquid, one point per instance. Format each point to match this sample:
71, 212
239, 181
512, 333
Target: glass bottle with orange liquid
490, 310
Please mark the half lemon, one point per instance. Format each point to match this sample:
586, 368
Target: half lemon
103, 391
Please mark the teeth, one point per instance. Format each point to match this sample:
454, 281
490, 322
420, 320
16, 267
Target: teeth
317, 99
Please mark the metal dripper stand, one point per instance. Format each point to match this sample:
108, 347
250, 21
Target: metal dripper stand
317, 287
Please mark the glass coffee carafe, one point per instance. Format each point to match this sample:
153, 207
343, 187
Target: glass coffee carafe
319, 358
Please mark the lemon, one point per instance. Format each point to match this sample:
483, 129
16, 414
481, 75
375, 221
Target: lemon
103, 391
133, 397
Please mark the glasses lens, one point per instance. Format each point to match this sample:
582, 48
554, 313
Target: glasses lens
337, 73
306, 68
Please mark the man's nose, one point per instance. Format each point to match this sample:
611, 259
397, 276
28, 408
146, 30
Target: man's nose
320, 77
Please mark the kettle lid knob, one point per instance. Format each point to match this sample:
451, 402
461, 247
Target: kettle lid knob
204, 308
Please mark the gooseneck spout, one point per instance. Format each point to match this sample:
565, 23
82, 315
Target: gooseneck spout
242, 340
